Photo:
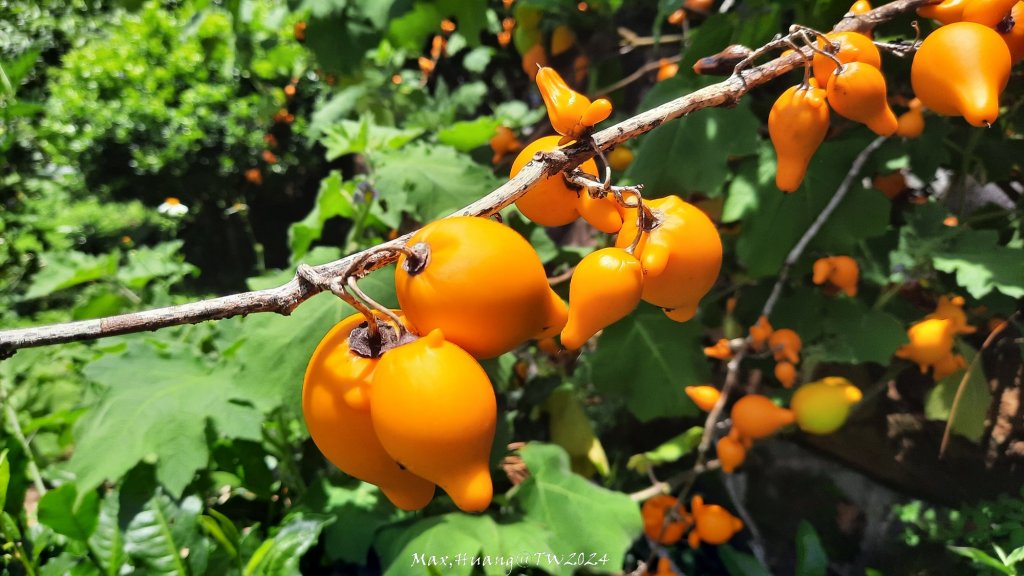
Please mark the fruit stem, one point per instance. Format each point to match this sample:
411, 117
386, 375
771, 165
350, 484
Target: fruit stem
374, 329
417, 257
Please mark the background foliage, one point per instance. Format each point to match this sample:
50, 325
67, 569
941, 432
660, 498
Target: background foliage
300, 132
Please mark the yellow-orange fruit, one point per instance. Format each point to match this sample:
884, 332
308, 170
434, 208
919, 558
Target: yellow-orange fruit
755, 416
853, 47
712, 523
435, 412
797, 125
987, 12
785, 373
858, 92
731, 454
605, 287
960, 70
785, 344
1014, 37
705, 397
654, 511
946, 12
930, 341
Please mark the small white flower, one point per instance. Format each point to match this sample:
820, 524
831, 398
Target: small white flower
172, 207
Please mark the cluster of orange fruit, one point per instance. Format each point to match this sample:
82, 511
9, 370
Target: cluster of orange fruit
666, 521
784, 344
959, 70
932, 339
839, 272
819, 407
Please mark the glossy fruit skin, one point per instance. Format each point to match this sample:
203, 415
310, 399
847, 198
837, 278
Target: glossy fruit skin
798, 123
620, 158
952, 309
946, 12
858, 92
712, 523
755, 416
503, 142
705, 397
840, 271
483, 286
785, 373
822, 407
910, 124
722, 350
931, 340
681, 256
335, 405
786, 345
1015, 37
987, 12
605, 287
960, 70
550, 202
853, 47
653, 513
435, 412
570, 112
731, 454
860, 7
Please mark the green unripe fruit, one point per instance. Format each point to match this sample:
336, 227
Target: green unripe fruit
822, 407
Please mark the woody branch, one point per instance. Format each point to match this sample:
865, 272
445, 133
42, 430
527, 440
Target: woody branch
283, 299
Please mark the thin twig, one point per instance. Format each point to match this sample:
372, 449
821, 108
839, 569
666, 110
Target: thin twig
283, 299
637, 74
963, 381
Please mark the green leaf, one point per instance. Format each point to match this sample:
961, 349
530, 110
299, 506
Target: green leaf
155, 537
691, 154
339, 42
982, 265
469, 134
581, 516
454, 543
334, 199
974, 402
60, 270
470, 14
410, 30
358, 511
856, 334
740, 564
771, 231
669, 451
5, 477
59, 510
359, 136
984, 559
149, 263
647, 359
19, 68
810, 556
437, 180
155, 406
107, 541
281, 554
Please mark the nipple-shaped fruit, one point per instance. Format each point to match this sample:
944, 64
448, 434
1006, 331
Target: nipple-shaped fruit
785, 373
853, 47
930, 341
840, 271
654, 512
822, 407
786, 345
797, 124
712, 523
705, 397
335, 405
549, 202
858, 92
480, 282
731, 453
435, 413
960, 70
987, 12
946, 12
606, 286
755, 416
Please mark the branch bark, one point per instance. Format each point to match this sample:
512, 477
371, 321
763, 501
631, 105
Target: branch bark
283, 299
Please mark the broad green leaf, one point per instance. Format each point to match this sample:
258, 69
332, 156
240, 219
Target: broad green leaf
669, 451
691, 154
455, 543
339, 42
5, 477
810, 556
149, 263
856, 334
358, 510
740, 564
754, 174
280, 555
334, 199
581, 516
470, 14
156, 405
60, 270
19, 68
647, 359
469, 134
974, 402
436, 179
984, 559
982, 265
59, 510
410, 30
359, 136
155, 537
771, 231
68, 564
108, 541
